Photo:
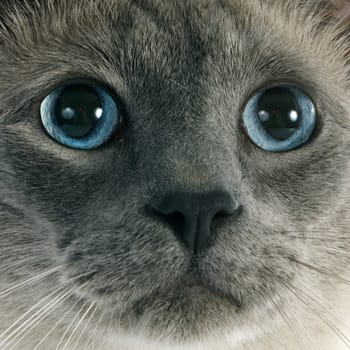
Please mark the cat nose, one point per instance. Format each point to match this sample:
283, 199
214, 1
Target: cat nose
192, 214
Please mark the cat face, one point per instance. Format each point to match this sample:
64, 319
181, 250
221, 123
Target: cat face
185, 224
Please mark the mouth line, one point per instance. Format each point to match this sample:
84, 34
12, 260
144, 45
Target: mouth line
194, 280
140, 305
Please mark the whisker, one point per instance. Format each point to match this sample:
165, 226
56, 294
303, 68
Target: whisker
308, 340
306, 300
36, 320
316, 234
85, 327
13, 266
30, 262
310, 230
18, 247
108, 329
321, 271
39, 315
320, 238
328, 275
77, 326
30, 310
56, 325
94, 334
29, 281
40, 302
335, 251
286, 320
69, 327
325, 304
23, 327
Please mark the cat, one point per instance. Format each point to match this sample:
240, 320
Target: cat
174, 175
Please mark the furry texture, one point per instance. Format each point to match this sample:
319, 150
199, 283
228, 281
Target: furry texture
276, 276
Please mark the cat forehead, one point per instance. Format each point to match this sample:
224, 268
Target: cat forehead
28, 18
247, 39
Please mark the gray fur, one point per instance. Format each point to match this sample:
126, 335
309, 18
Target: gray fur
182, 71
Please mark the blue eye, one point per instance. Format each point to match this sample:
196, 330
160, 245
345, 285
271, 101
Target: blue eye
280, 118
80, 116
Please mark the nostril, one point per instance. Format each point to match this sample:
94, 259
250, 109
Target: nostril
191, 215
221, 214
224, 213
175, 220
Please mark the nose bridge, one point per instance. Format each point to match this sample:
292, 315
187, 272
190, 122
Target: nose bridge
196, 160
193, 186
194, 177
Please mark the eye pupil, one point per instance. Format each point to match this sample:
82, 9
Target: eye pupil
78, 110
80, 116
280, 118
278, 112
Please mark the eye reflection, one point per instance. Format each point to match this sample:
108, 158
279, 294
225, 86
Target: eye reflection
293, 116
98, 113
80, 116
68, 113
264, 116
280, 118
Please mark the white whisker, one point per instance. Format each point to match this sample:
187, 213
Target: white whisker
29, 281
108, 329
323, 303
77, 326
68, 328
39, 318
307, 300
286, 320
321, 270
56, 325
42, 309
85, 327
30, 310
94, 334
12, 264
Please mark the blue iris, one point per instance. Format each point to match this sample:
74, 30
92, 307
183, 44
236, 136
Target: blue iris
280, 118
80, 116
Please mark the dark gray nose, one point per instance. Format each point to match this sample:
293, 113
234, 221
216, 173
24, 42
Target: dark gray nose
192, 214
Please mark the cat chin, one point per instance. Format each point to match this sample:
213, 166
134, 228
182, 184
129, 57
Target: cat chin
310, 332
229, 341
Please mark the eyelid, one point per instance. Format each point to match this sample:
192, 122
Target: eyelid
268, 84
64, 82
73, 79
